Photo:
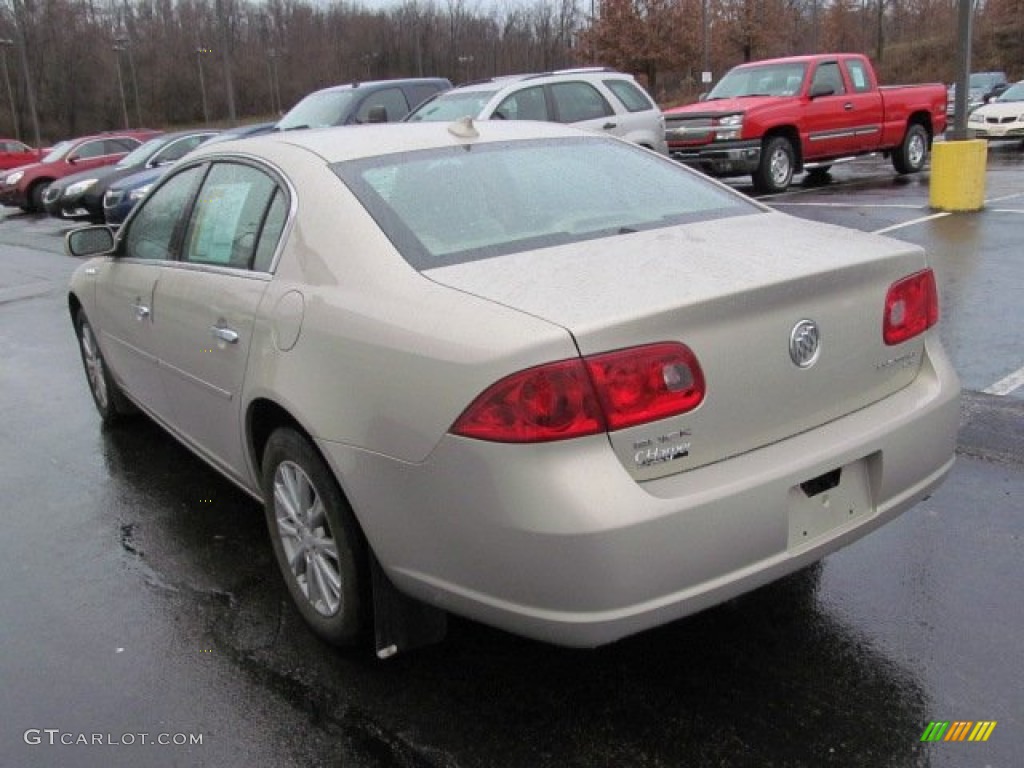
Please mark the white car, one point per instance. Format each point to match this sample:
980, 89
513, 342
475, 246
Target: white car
595, 99
547, 380
1001, 118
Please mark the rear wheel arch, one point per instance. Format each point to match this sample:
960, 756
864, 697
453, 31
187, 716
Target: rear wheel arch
912, 153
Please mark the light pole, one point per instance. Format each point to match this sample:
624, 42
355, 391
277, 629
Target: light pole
200, 52
5, 44
120, 84
126, 45
30, 94
275, 88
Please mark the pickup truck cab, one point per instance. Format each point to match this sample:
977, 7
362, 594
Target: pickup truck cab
777, 117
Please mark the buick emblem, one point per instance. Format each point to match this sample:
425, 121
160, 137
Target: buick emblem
804, 343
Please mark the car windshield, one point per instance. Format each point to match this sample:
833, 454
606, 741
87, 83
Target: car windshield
1013, 93
767, 80
319, 110
463, 203
984, 80
142, 153
452, 106
57, 152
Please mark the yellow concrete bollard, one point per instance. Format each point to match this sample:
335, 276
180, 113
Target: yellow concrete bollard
958, 175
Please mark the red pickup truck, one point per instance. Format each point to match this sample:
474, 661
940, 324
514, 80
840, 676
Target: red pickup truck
778, 117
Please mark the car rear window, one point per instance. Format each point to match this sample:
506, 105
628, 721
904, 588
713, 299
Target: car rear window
462, 203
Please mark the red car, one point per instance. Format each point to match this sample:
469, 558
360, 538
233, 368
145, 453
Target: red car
13, 153
23, 187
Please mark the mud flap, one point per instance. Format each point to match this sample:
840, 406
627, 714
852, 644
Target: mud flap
399, 622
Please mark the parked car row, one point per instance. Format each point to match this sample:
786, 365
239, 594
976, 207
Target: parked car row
982, 87
101, 178
24, 187
1002, 118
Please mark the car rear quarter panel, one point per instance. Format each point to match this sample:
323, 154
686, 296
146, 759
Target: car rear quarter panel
386, 359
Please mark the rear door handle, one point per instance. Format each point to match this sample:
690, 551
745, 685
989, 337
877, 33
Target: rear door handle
224, 333
608, 126
141, 310
848, 106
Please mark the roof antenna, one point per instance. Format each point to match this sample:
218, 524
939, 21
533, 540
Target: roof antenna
463, 128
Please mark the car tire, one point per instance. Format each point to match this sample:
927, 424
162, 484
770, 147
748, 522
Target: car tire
317, 541
35, 196
110, 400
775, 171
911, 154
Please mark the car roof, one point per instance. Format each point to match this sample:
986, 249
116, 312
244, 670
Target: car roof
352, 142
373, 84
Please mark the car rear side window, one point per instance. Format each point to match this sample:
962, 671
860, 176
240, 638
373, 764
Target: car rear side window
578, 101
457, 204
858, 75
228, 216
630, 94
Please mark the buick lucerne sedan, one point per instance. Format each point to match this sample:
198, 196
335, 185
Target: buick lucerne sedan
544, 379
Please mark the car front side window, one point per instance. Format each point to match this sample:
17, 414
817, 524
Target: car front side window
152, 233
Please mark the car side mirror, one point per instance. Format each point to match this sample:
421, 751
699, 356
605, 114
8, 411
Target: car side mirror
89, 241
378, 113
703, 96
821, 89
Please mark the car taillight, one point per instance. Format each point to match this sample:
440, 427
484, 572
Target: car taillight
911, 307
573, 398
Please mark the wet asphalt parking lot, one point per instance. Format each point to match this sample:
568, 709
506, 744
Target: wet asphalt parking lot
139, 601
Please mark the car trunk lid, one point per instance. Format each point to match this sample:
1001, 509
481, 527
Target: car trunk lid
735, 295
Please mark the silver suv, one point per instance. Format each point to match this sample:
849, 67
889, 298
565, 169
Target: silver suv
596, 99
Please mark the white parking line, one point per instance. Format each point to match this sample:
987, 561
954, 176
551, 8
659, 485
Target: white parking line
903, 206
1005, 386
912, 222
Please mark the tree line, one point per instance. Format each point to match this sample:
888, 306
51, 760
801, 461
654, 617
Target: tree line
78, 66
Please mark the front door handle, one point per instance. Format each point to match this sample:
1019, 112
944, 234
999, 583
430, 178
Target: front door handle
223, 333
141, 310
848, 106
608, 126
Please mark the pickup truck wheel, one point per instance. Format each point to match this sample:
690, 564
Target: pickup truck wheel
316, 539
909, 157
776, 168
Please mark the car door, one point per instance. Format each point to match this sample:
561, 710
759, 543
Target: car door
863, 106
828, 119
582, 105
125, 292
208, 306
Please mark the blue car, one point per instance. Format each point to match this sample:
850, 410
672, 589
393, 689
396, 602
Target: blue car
122, 195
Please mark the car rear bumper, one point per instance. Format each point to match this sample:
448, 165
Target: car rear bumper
558, 543
722, 159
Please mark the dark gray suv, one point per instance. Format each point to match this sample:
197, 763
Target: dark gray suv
377, 101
